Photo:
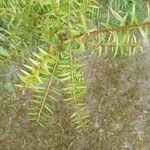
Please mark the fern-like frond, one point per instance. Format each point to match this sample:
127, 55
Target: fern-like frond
44, 96
71, 75
46, 93
116, 43
120, 39
37, 65
39, 78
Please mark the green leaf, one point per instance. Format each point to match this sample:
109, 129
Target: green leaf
48, 109
4, 52
144, 34
117, 16
84, 22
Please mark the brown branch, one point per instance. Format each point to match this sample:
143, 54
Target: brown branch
46, 92
121, 28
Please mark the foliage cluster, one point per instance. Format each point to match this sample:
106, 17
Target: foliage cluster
48, 39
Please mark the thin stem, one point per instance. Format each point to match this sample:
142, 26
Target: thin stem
46, 92
117, 29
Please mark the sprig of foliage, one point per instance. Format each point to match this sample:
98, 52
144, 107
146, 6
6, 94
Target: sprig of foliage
51, 33
71, 76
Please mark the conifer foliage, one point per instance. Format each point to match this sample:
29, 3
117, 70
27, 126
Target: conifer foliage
48, 37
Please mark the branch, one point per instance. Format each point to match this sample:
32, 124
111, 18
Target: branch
121, 28
46, 92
